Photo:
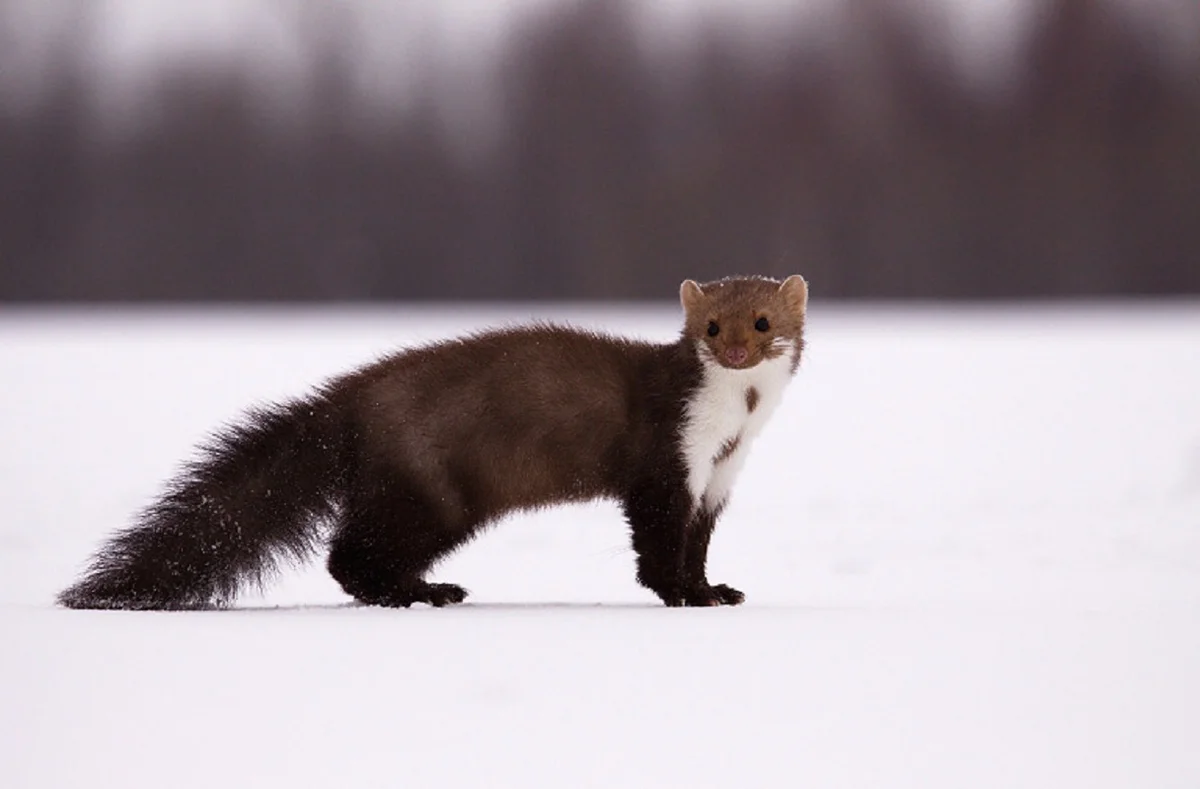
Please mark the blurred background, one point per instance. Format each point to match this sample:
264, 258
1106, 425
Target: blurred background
291, 150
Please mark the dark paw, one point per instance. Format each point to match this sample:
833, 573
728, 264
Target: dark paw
703, 596
439, 595
436, 595
727, 594
672, 596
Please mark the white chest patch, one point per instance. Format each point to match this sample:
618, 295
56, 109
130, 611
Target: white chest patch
721, 421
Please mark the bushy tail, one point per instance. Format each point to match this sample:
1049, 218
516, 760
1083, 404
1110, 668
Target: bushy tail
258, 493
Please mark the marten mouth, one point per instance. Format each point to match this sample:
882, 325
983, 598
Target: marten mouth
747, 364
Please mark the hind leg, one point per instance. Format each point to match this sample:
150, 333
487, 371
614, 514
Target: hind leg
386, 543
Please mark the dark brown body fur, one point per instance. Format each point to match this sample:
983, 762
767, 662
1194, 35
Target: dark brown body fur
451, 437
408, 458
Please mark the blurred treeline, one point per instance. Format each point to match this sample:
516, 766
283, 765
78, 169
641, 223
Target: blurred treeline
873, 170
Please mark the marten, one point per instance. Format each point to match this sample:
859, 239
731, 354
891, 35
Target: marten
401, 461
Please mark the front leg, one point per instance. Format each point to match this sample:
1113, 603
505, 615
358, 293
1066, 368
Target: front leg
698, 590
658, 515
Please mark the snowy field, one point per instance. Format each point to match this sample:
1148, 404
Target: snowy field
970, 543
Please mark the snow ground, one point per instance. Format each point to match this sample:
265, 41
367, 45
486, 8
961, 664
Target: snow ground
970, 541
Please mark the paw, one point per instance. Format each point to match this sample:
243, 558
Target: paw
702, 596
438, 595
672, 596
727, 594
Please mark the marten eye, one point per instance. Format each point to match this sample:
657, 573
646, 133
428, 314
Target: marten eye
762, 324
713, 329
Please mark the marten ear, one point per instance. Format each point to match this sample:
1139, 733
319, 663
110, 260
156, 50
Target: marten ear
795, 293
690, 295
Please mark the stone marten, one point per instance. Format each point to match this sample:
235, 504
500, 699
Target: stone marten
399, 462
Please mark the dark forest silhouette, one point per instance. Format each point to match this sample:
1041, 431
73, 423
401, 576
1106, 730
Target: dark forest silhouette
612, 182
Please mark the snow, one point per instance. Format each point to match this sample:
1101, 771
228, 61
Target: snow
969, 538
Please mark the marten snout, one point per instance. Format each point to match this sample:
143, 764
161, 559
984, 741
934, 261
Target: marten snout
736, 355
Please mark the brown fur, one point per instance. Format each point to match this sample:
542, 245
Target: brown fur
735, 304
751, 400
533, 416
727, 449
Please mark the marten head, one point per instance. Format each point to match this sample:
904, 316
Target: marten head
739, 322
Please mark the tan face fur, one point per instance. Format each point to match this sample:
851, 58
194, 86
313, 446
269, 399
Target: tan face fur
735, 305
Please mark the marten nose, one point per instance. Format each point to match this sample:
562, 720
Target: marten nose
736, 355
